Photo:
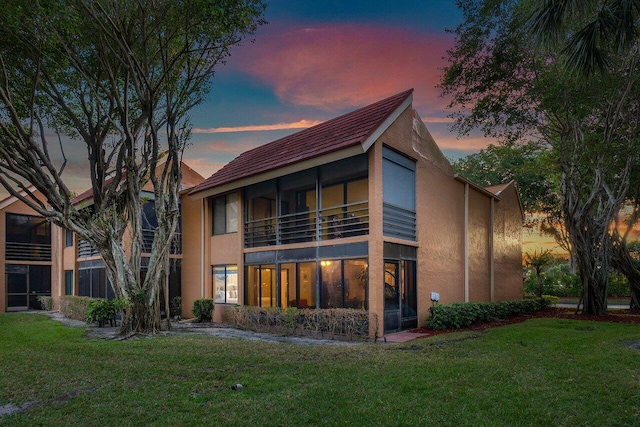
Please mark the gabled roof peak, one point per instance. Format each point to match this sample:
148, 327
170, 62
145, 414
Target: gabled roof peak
346, 131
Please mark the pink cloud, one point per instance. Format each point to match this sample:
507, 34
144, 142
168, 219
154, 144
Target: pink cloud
301, 124
343, 66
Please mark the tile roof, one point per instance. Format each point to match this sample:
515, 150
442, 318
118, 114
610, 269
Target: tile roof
333, 135
190, 179
497, 189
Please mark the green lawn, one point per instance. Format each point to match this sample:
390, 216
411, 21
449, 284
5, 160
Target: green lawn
540, 372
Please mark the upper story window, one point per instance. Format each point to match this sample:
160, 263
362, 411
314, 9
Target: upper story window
225, 214
68, 238
28, 238
398, 195
149, 225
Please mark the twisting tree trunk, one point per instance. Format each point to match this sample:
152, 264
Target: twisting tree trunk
111, 75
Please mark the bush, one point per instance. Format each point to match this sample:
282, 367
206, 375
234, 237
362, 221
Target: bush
101, 310
461, 315
74, 307
333, 322
203, 309
46, 302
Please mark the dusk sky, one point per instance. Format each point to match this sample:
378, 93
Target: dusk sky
317, 59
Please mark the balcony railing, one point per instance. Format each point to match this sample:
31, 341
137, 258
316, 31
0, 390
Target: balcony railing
85, 250
147, 242
334, 222
398, 222
16, 251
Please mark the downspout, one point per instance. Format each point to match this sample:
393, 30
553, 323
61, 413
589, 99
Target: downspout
466, 242
491, 254
203, 246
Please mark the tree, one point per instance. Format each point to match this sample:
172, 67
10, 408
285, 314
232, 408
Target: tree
120, 77
503, 83
538, 261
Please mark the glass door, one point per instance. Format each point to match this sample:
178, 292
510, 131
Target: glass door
17, 280
391, 292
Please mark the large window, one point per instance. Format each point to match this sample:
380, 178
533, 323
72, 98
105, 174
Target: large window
344, 283
225, 284
345, 210
225, 214
25, 283
261, 285
399, 195
149, 225
298, 285
327, 202
27, 238
92, 280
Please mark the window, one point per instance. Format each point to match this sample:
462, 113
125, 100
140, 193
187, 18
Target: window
398, 195
68, 238
93, 281
225, 284
225, 214
298, 285
68, 282
28, 238
344, 283
260, 285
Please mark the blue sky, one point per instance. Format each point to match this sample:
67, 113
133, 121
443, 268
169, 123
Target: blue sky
315, 60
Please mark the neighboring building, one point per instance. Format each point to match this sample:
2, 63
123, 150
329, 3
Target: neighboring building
362, 211
28, 264
84, 270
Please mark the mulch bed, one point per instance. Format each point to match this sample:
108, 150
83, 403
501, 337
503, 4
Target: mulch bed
614, 316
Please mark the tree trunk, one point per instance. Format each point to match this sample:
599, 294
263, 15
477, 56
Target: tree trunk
622, 261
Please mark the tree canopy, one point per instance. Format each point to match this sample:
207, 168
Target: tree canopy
502, 80
119, 77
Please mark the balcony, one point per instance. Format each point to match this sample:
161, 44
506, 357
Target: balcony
16, 251
334, 222
147, 242
85, 250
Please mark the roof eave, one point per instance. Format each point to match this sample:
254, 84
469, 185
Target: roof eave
276, 173
377, 132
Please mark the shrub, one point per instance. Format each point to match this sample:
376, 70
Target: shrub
74, 307
333, 322
461, 315
101, 310
46, 302
203, 309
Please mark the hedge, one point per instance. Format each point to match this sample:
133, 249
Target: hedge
74, 307
463, 314
343, 322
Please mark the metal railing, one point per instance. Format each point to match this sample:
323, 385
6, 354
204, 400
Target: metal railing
398, 222
147, 242
85, 250
16, 251
334, 222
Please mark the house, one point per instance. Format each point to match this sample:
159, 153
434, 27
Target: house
362, 211
42, 259
27, 260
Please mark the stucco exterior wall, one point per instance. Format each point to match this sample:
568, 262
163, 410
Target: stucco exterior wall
479, 246
193, 261
508, 245
224, 249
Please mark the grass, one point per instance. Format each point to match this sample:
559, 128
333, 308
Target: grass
540, 372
